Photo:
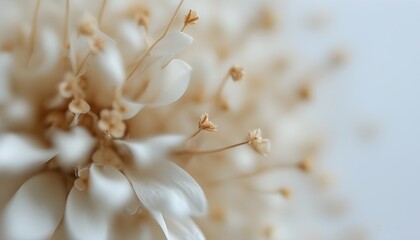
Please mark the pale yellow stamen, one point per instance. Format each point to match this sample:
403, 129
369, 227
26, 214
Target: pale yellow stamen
190, 19
79, 106
204, 124
96, 44
111, 123
236, 73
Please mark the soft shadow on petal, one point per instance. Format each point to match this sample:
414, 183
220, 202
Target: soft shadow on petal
82, 220
158, 217
109, 188
168, 85
36, 209
172, 44
153, 150
19, 153
136, 227
183, 229
108, 66
73, 147
132, 108
169, 189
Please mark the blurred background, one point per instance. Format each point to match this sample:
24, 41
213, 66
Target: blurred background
370, 107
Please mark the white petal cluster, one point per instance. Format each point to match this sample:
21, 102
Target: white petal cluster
72, 74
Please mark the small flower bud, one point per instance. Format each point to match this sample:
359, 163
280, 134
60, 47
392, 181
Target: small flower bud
87, 26
96, 44
191, 18
111, 122
205, 124
259, 144
79, 106
236, 73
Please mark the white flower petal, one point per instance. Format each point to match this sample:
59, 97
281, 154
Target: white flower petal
172, 44
158, 217
168, 85
109, 188
47, 52
154, 150
183, 229
169, 189
73, 147
36, 209
132, 108
82, 220
19, 153
108, 66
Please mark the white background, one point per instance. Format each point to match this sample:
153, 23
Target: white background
371, 109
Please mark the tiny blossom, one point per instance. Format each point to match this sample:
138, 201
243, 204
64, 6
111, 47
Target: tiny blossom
205, 124
236, 73
261, 145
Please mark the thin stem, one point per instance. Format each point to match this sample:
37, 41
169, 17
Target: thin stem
182, 29
254, 174
154, 44
66, 24
221, 86
101, 12
33, 29
195, 134
79, 68
197, 152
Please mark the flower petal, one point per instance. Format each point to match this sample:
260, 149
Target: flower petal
36, 209
158, 217
172, 44
108, 65
153, 150
168, 85
183, 229
109, 188
19, 153
82, 220
131, 108
73, 147
169, 189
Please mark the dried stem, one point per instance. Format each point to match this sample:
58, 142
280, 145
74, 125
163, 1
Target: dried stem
101, 12
79, 68
66, 24
199, 152
33, 29
153, 45
221, 86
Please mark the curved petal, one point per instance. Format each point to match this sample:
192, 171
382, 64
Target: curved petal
153, 150
36, 209
108, 65
74, 146
169, 189
131, 108
158, 217
46, 55
172, 44
168, 85
19, 153
109, 188
183, 229
82, 220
